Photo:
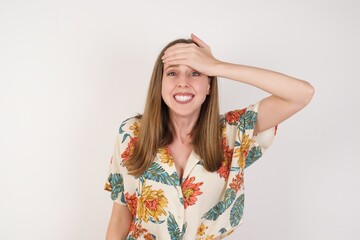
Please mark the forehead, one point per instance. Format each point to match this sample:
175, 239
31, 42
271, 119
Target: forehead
179, 67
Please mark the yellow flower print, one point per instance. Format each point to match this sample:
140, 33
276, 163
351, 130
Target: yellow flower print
230, 232
237, 155
151, 203
243, 150
201, 230
135, 128
223, 131
165, 156
211, 237
107, 186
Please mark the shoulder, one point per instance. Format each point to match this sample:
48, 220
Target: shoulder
130, 126
234, 117
128, 133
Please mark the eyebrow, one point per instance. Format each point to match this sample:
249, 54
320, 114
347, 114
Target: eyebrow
170, 66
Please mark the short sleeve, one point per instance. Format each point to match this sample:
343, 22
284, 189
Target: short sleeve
260, 142
240, 125
118, 175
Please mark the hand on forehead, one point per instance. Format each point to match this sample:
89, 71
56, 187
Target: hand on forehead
196, 55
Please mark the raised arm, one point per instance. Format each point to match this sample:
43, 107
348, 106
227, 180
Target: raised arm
288, 95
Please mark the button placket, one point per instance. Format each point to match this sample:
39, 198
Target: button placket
180, 212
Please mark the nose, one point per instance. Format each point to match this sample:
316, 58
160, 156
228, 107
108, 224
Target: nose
183, 81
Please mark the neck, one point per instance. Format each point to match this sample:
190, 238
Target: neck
182, 127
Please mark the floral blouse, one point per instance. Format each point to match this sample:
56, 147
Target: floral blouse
203, 205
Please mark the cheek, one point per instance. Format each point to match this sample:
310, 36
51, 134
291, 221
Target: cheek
204, 86
163, 92
165, 89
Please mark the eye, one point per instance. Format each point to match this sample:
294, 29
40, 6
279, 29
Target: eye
195, 74
171, 74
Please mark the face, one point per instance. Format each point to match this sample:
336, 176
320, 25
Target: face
184, 90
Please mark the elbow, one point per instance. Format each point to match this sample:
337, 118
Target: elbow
307, 93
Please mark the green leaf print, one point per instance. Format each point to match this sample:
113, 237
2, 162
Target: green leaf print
151, 219
236, 212
181, 200
183, 229
247, 121
221, 206
175, 179
121, 131
222, 119
126, 135
117, 185
235, 169
173, 228
123, 198
253, 155
156, 173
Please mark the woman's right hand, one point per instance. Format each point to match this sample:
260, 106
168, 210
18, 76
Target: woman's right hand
198, 57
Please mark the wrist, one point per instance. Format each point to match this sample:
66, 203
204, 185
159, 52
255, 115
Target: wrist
220, 69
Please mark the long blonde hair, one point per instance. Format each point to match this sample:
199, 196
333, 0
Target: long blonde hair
156, 129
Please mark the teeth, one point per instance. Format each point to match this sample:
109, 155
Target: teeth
182, 98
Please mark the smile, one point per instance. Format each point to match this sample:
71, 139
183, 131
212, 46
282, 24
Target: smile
183, 98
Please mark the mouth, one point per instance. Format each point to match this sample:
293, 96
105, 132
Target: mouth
183, 97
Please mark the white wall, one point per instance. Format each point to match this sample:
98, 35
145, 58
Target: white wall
71, 71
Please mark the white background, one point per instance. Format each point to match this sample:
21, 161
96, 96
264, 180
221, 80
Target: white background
71, 71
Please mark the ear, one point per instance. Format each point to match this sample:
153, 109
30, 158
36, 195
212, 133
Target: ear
209, 86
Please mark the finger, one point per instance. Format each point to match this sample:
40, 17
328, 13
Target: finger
180, 46
175, 51
178, 56
198, 41
179, 62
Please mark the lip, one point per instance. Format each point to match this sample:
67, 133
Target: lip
183, 98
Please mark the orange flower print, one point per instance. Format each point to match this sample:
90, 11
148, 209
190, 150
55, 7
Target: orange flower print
151, 204
228, 152
234, 116
237, 181
165, 156
190, 191
131, 201
224, 169
135, 128
148, 236
136, 230
130, 149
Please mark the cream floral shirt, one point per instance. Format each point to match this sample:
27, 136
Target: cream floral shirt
202, 205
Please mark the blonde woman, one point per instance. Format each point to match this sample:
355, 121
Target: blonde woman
177, 171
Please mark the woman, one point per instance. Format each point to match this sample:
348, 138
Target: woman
177, 171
